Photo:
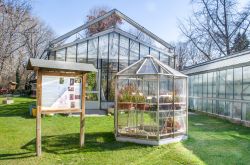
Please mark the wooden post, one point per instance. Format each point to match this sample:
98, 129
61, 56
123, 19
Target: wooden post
82, 114
38, 113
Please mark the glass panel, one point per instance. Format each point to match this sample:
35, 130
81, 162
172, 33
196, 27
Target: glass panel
123, 64
60, 55
222, 82
113, 46
124, 52
204, 85
104, 79
52, 55
209, 106
229, 84
214, 106
228, 109
180, 122
246, 111
171, 62
191, 86
103, 47
144, 50
199, 85
164, 58
92, 86
195, 104
210, 84
124, 48
221, 108
91, 96
214, 84
195, 85
71, 54
237, 110
134, 51
154, 53
217, 111
191, 103
82, 52
204, 104
111, 79
147, 68
165, 89
92, 51
133, 69
199, 104
180, 94
246, 83
92, 81
150, 89
237, 83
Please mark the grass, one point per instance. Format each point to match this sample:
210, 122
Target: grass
211, 141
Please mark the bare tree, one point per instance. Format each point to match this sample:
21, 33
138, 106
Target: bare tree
37, 39
113, 20
187, 54
182, 55
13, 14
21, 36
214, 25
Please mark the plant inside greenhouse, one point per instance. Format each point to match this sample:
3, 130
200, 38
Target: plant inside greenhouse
151, 103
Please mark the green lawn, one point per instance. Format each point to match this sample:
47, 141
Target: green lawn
211, 141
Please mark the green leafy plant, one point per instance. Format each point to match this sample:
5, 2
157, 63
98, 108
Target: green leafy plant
91, 80
126, 93
140, 98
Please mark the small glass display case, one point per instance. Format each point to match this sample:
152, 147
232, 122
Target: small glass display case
150, 103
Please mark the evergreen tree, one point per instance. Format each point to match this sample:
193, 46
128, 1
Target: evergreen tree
240, 42
17, 78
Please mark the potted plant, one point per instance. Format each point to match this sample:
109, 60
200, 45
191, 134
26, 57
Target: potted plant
141, 102
171, 124
125, 97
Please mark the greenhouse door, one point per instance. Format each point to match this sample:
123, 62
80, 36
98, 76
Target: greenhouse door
92, 93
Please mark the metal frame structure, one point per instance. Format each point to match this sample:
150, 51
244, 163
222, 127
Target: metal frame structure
222, 89
161, 115
121, 15
116, 30
134, 42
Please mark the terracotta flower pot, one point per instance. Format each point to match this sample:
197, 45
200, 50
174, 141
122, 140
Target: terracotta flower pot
142, 106
125, 105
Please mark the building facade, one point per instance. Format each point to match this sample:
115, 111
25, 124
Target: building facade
110, 51
222, 87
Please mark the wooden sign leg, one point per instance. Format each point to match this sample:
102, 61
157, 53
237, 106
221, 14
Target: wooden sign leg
38, 113
82, 114
38, 133
82, 129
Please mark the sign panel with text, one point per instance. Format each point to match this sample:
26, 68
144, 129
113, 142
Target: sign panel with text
61, 92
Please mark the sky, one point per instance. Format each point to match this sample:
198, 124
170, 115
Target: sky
159, 16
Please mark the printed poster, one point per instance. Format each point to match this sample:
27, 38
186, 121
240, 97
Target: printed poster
61, 92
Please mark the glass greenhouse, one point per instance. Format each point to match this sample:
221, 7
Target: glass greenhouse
221, 87
110, 51
151, 103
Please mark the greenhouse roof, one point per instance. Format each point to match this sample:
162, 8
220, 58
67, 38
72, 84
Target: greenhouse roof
149, 65
60, 65
238, 59
80, 32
